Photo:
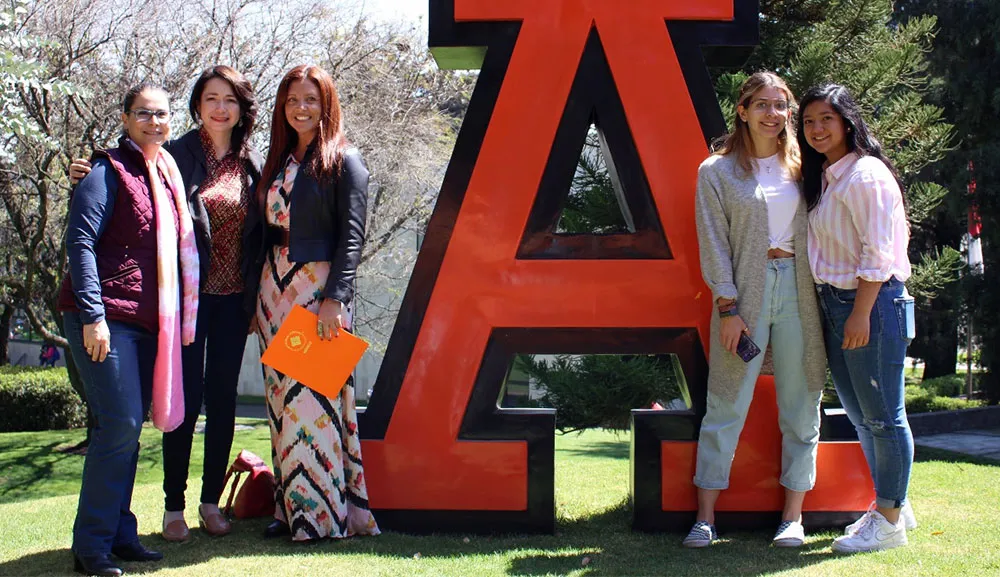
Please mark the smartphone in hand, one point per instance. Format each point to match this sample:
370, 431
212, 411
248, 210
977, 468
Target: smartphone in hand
746, 349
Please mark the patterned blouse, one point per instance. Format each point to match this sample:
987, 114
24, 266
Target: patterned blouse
226, 198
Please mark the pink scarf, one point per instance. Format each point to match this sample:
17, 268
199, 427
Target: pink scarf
178, 290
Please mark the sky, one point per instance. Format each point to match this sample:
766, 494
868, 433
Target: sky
406, 10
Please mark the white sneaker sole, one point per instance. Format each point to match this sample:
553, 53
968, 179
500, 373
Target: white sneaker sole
909, 521
793, 542
843, 548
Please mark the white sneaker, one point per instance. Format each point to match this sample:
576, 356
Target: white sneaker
873, 533
789, 534
905, 513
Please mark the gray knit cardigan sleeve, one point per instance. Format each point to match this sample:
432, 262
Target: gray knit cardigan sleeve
712, 223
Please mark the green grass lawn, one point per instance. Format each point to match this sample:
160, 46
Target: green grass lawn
955, 500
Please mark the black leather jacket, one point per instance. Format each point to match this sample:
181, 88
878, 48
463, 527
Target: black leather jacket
190, 157
327, 222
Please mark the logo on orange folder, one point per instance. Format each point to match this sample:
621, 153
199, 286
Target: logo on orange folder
297, 342
322, 365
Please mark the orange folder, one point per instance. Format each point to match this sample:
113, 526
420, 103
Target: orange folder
298, 352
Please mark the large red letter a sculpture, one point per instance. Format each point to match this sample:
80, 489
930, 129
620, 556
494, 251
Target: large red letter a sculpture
494, 278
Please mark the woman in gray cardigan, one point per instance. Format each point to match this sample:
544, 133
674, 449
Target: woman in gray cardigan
752, 231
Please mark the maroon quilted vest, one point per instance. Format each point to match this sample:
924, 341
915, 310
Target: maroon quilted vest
126, 251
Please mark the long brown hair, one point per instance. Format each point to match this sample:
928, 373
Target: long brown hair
327, 150
857, 134
739, 142
244, 95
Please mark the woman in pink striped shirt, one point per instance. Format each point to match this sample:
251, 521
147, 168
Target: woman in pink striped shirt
858, 236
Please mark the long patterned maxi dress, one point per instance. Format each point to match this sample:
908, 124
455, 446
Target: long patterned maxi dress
314, 439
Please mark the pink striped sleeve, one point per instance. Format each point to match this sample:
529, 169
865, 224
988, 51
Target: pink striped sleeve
871, 198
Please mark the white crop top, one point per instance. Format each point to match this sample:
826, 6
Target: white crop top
782, 196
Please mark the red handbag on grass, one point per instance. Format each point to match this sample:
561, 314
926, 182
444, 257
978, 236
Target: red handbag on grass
256, 496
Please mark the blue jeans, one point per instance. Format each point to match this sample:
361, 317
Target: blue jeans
223, 323
798, 409
869, 382
119, 391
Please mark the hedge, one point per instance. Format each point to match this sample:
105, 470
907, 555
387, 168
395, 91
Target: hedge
925, 397
922, 400
36, 399
948, 385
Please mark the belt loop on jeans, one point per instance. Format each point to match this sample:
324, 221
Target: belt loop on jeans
279, 235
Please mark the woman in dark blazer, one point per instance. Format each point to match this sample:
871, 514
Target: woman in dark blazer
220, 171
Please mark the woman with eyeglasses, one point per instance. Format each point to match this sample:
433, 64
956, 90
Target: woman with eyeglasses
858, 238
220, 170
314, 192
129, 303
751, 221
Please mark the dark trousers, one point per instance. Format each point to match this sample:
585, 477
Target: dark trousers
119, 391
210, 378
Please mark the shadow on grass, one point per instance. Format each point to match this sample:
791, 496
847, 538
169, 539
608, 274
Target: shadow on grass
44, 469
597, 544
924, 454
35, 465
602, 450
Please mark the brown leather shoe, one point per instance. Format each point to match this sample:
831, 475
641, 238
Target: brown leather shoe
176, 531
215, 524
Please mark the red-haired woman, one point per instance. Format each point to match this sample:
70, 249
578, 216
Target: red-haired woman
314, 193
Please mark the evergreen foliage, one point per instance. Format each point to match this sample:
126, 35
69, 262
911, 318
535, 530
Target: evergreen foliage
966, 73
36, 399
884, 62
600, 391
591, 205
885, 65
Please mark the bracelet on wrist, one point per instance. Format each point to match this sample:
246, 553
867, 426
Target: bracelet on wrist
730, 312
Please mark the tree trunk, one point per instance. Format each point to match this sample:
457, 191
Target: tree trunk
940, 358
5, 315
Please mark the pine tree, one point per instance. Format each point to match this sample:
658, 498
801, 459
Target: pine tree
885, 65
967, 85
591, 205
884, 62
600, 391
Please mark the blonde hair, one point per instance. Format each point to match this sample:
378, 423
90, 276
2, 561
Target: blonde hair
739, 142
